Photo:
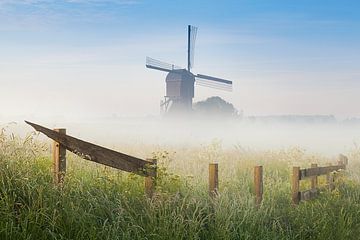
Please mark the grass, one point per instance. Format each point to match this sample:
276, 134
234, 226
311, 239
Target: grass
102, 203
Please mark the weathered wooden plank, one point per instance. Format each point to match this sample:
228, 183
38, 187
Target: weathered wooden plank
295, 185
310, 172
59, 159
258, 183
213, 179
97, 153
309, 194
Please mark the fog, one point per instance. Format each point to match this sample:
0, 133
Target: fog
326, 138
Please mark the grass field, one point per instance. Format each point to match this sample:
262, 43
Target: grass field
101, 203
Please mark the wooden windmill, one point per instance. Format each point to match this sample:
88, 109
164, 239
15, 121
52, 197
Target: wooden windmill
180, 81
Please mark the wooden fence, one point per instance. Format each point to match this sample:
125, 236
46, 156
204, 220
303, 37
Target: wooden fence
148, 168
98, 154
298, 175
312, 174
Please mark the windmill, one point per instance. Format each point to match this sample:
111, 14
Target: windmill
180, 81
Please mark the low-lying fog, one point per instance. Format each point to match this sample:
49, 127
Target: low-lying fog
324, 138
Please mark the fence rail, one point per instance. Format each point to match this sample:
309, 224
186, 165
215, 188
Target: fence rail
318, 171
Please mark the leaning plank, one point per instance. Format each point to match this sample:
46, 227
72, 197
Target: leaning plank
309, 194
311, 172
96, 153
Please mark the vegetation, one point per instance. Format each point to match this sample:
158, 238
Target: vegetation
101, 203
215, 106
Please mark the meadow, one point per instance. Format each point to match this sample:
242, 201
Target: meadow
97, 202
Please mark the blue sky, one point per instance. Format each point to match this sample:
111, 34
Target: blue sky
87, 56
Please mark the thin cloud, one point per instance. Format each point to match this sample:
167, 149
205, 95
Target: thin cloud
6, 3
119, 2
16, 15
34, 2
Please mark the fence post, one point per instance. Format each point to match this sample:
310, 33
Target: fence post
296, 185
213, 180
150, 181
258, 182
330, 180
314, 179
343, 160
59, 159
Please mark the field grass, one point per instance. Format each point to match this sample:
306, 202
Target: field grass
101, 203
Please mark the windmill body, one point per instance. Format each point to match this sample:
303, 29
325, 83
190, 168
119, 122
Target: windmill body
180, 89
180, 81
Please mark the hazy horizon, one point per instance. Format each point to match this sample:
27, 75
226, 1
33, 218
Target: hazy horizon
87, 57
80, 64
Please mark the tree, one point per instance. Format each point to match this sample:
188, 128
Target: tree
215, 106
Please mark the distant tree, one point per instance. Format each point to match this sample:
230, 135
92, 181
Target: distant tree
215, 106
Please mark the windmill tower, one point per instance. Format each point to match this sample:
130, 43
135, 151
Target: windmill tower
180, 81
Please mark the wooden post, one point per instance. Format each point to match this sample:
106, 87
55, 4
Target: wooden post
296, 185
343, 160
150, 181
314, 179
59, 159
258, 182
213, 180
330, 180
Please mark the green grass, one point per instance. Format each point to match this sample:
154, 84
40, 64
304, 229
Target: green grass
101, 203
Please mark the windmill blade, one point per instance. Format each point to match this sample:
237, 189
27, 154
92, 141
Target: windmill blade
192, 31
214, 86
159, 65
211, 84
214, 79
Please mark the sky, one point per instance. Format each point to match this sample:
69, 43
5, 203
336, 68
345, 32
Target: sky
84, 58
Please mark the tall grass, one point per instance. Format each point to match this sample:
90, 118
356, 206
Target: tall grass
101, 203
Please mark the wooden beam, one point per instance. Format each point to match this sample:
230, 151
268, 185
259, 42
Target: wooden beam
295, 185
310, 172
258, 184
213, 179
309, 194
59, 159
97, 153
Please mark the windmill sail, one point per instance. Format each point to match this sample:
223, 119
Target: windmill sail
214, 79
159, 65
192, 31
213, 85
213, 82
